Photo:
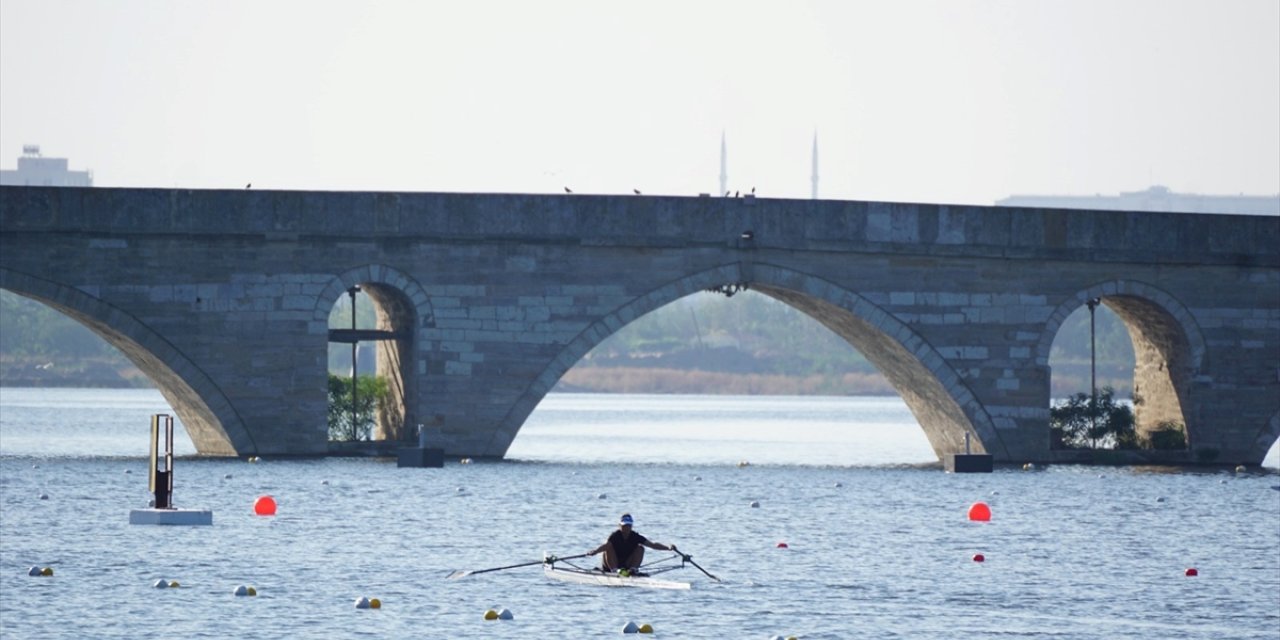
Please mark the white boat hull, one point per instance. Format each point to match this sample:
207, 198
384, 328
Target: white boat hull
609, 579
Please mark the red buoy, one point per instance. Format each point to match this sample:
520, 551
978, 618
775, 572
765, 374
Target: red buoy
980, 512
1192, 572
782, 545
978, 557
264, 506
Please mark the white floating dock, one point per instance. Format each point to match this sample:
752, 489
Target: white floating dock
171, 516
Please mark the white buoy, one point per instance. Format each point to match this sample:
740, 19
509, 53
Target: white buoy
44, 496
630, 627
459, 490
1160, 499
128, 471
755, 504
244, 590
33, 571
362, 603
838, 485
226, 477
161, 584
697, 478
601, 496
506, 614
324, 482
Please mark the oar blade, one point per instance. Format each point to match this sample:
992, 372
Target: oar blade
458, 574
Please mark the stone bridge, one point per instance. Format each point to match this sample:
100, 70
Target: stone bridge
223, 299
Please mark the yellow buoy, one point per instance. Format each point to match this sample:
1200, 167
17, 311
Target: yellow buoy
491, 615
173, 584
47, 571
375, 603
252, 591
645, 628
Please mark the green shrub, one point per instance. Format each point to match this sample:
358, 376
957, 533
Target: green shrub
1080, 423
371, 394
1168, 436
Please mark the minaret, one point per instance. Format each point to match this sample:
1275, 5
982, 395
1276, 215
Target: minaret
724, 166
815, 164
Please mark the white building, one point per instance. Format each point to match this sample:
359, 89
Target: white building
1155, 198
35, 170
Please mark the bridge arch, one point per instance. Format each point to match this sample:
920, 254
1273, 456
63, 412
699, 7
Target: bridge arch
1169, 348
399, 303
211, 421
931, 388
1268, 434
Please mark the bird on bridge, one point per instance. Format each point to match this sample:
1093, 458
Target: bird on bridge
247, 186
568, 190
637, 191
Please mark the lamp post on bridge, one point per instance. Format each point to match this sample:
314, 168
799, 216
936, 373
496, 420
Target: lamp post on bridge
355, 344
1093, 371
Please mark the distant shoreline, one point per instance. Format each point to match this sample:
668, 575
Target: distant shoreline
588, 379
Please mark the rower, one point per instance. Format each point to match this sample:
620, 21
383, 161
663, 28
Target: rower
624, 550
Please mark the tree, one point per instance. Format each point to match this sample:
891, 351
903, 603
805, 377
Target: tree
371, 395
1079, 423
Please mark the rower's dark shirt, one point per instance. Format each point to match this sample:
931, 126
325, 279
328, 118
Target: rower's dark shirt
624, 546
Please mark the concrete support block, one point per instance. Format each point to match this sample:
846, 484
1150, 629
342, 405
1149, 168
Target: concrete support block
420, 457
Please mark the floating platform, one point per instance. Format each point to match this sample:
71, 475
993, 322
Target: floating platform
171, 516
970, 463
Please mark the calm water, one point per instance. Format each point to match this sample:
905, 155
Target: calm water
879, 544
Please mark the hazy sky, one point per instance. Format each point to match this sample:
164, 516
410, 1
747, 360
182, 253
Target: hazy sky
916, 100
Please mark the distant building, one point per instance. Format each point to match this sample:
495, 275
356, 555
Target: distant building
35, 170
1155, 198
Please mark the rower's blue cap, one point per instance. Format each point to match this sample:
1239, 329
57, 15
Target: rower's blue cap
626, 519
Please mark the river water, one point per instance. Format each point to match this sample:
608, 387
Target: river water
878, 543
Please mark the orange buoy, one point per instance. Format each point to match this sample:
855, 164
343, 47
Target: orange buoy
264, 506
978, 557
1192, 572
980, 512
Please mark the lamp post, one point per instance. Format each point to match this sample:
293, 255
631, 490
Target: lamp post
355, 430
1093, 371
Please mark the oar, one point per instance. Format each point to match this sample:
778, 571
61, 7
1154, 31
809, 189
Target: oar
688, 558
462, 574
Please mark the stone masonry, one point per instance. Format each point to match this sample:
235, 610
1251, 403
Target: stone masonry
223, 298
